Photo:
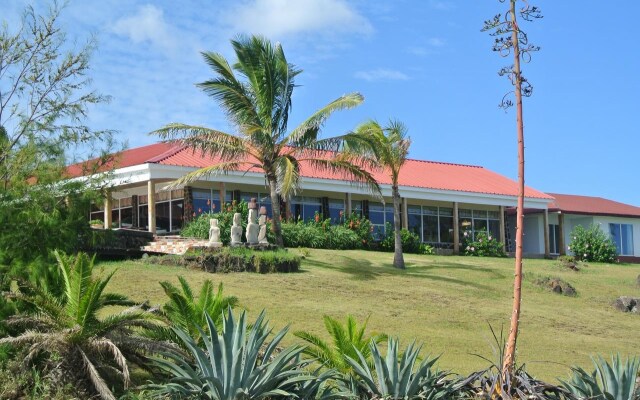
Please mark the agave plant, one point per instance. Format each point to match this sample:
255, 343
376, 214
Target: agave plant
185, 311
64, 334
396, 375
615, 381
348, 340
232, 366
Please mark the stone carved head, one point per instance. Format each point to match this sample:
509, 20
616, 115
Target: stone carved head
213, 223
236, 219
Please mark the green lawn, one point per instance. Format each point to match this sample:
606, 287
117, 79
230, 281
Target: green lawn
445, 302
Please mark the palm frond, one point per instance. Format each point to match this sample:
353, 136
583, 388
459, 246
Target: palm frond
307, 132
288, 175
105, 345
342, 165
94, 376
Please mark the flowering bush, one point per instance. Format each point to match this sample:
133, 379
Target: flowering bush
592, 244
361, 226
484, 245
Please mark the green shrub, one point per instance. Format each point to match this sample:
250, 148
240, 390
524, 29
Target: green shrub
592, 244
484, 245
361, 226
411, 242
234, 259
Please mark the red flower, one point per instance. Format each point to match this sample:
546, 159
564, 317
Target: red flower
213, 206
208, 202
317, 218
194, 214
199, 210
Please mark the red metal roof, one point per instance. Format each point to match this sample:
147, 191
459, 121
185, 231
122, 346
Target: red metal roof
126, 158
414, 173
573, 204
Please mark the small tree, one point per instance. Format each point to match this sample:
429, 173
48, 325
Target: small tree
511, 40
389, 147
45, 96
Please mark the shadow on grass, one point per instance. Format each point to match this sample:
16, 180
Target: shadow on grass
364, 270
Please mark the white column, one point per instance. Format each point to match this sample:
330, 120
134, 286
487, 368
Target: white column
547, 248
456, 229
405, 214
151, 205
108, 205
503, 236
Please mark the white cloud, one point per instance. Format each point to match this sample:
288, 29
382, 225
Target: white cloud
147, 25
436, 42
277, 18
381, 74
441, 5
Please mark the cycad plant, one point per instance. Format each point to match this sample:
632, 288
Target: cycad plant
235, 364
615, 381
399, 376
188, 312
256, 93
347, 340
66, 333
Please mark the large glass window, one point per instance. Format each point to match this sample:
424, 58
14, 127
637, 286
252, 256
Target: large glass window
432, 224
202, 200
336, 210
305, 208
163, 217
414, 220
475, 221
622, 236
554, 239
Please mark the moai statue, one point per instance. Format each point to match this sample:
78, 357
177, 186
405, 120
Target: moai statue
262, 236
236, 230
252, 227
214, 233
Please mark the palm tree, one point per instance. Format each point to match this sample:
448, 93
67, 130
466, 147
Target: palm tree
256, 93
390, 147
348, 340
68, 334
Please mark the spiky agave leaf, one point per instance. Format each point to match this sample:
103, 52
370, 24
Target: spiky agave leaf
615, 380
230, 365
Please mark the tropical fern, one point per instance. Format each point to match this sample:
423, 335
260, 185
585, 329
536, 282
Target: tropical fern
347, 340
66, 333
186, 311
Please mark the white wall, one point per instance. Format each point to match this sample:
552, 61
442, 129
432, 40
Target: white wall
604, 221
533, 234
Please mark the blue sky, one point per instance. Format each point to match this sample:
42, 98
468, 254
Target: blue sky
424, 62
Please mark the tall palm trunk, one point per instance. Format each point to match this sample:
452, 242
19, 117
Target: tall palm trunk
276, 224
398, 258
509, 356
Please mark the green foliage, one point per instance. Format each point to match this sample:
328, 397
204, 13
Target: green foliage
346, 340
234, 259
615, 381
199, 227
238, 363
185, 311
361, 226
66, 333
411, 242
36, 223
484, 245
396, 376
592, 244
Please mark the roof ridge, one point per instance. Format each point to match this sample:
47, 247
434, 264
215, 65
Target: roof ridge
163, 156
446, 163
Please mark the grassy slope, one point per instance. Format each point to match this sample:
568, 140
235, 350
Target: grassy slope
444, 302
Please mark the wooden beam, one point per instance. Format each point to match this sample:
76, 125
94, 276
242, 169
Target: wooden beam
563, 248
503, 234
